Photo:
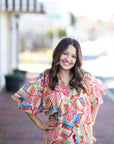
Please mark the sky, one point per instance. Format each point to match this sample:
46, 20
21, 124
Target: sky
94, 9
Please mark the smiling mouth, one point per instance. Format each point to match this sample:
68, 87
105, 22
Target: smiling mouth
66, 63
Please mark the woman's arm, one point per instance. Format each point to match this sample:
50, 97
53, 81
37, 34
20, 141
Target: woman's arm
94, 111
43, 126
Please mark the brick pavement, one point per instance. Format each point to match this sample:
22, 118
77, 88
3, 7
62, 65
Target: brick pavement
17, 128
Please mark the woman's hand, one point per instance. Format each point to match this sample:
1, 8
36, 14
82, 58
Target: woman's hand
49, 125
94, 111
93, 123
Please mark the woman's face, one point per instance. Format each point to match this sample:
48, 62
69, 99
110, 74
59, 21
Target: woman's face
68, 58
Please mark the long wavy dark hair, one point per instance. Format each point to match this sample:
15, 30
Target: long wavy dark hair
77, 72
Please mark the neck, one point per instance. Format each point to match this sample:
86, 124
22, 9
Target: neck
66, 76
64, 73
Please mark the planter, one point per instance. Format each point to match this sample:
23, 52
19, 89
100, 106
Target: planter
15, 80
13, 83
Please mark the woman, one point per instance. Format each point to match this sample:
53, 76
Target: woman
67, 94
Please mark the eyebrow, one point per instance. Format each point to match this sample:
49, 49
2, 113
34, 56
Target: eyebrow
68, 52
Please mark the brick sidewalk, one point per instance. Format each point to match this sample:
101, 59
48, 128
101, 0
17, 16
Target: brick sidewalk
104, 126
17, 128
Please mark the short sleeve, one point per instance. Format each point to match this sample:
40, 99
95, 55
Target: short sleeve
30, 96
96, 90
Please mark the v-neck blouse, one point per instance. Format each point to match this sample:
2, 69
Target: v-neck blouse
72, 112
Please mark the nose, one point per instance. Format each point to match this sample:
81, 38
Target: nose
68, 58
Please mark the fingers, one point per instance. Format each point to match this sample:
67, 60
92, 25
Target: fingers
51, 124
50, 118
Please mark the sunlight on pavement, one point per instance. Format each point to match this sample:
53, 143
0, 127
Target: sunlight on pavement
35, 68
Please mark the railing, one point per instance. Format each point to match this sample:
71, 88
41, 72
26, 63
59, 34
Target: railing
21, 6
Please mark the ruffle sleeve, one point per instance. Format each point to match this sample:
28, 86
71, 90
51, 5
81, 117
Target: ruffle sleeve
96, 90
30, 96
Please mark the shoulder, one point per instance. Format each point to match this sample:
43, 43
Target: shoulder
87, 75
35, 85
40, 78
91, 79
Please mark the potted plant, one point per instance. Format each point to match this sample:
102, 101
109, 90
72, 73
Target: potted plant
20, 71
14, 80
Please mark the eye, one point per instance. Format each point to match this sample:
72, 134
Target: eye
65, 53
74, 57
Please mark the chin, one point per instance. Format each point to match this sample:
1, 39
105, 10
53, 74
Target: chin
66, 68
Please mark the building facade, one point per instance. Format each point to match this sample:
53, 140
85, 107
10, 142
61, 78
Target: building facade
9, 15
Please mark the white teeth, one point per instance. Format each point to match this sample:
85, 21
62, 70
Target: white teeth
66, 63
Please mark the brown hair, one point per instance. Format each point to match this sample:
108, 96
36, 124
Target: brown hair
78, 75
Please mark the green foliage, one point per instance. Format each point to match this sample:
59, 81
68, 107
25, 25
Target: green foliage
61, 32
15, 74
49, 32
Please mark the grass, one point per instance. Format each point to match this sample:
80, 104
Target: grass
34, 62
38, 57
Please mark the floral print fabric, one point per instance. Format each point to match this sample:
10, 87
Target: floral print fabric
72, 112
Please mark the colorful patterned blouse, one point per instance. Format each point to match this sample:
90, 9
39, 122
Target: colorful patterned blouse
72, 112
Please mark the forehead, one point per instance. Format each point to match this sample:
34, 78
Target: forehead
71, 49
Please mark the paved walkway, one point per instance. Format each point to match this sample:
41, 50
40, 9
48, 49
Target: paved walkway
17, 128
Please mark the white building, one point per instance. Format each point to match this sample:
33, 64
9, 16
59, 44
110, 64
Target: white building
9, 14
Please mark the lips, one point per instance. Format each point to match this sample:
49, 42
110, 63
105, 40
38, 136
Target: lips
66, 63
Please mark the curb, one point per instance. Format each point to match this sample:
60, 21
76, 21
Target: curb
110, 95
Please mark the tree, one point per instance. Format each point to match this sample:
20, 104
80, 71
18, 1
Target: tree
61, 32
49, 32
73, 19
